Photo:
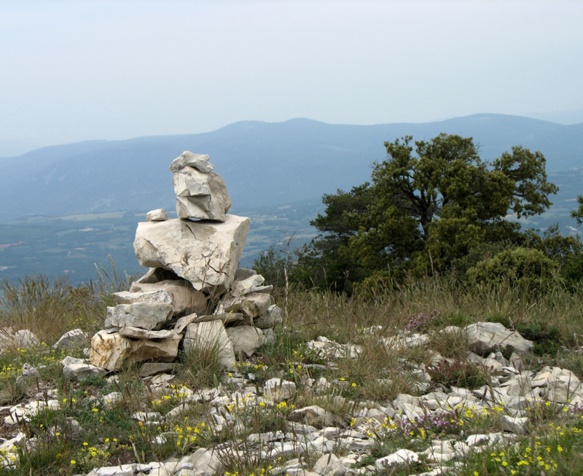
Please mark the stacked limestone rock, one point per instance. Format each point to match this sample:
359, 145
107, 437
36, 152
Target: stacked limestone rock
194, 293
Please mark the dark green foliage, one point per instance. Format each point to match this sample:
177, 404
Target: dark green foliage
432, 207
545, 335
459, 373
521, 267
578, 214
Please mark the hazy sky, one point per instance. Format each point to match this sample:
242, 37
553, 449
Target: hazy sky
83, 69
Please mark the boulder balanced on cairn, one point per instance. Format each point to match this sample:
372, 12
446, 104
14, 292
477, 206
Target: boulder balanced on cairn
194, 293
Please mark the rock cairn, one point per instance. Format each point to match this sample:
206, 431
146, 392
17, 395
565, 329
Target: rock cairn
194, 293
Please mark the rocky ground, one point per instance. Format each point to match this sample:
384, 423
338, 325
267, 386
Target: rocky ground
314, 424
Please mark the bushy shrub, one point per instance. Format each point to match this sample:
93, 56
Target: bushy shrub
526, 268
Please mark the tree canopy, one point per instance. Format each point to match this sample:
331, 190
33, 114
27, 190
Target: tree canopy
427, 206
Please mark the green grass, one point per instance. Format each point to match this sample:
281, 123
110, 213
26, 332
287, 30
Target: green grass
86, 432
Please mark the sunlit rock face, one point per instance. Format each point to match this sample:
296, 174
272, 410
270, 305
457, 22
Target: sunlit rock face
201, 193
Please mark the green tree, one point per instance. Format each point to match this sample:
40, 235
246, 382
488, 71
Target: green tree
578, 214
428, 204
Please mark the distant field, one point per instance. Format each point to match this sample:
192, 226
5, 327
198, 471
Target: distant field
76, 246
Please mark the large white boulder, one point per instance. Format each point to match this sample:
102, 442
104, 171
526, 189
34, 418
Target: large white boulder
206, 254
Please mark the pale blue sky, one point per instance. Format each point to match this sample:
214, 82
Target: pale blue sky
73, 70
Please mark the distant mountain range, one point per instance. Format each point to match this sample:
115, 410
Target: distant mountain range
262, 163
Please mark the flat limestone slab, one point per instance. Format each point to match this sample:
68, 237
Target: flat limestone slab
204, 253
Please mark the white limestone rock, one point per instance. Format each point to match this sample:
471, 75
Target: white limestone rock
157, 215
486, 337
313, 415
559, 385
330, 349
252, 305
79, 369
278, 389
140, 314
329, 465
398, 457
199, 162
204, 462
140, 334
211, 334
182, 295
201, 193
516, 425
157, 296
205, 254
270, 319
246, 339
74, 339
109, 350
254, 283
21, 339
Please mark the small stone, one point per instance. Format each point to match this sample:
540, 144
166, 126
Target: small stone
74, 339
157, 215
516, 425
278, 389
78, 369
399, 457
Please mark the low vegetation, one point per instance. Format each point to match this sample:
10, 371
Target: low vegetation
105, 435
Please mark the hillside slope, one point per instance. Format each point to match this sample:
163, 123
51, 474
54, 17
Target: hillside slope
262, 163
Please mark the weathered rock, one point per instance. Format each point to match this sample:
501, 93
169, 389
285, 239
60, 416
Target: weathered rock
270, 319
140, 314
183, 322
200, 192
109, 350
330, 349
329, 465
199, 162
205, 462
206, 254
278, 389
153, 368
252, 305
486, 337
313, 415
74, 339
248, 284
246, 339
21, 339
559, 385
516, 425
163, 350
139, 333
155, 275
157, 215
398, 457
79, 369
156, 296
182, 295
211, 335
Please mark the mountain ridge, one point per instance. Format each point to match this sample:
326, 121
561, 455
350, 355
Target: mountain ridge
262, 162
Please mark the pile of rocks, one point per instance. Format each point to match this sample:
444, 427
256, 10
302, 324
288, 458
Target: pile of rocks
194, 293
